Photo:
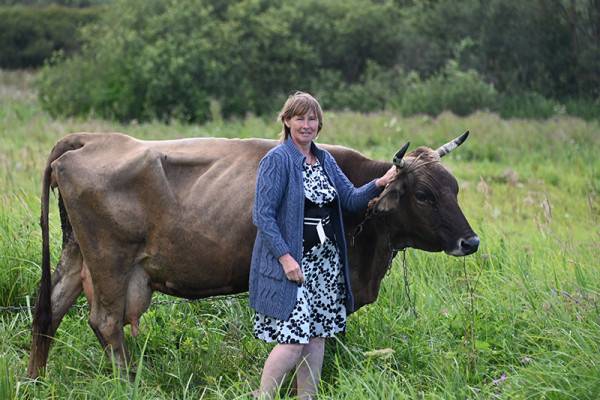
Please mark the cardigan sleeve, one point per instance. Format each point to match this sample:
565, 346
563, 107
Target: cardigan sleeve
270, 187
352, 199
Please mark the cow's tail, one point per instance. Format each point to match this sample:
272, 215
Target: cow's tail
42, 320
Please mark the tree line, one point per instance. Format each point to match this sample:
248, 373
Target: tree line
190, 59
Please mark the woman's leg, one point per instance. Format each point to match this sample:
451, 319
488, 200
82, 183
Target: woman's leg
309, 370
281, 360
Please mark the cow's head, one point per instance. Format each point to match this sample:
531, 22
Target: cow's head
420, 207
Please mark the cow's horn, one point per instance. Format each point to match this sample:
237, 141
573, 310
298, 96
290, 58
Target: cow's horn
398, 161
448, 147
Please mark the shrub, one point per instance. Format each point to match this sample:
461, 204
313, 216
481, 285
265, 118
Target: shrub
144, 61
461, 92
526, 105
377, 89
172, 59
67, 3
30, 35
587, 109
175, 58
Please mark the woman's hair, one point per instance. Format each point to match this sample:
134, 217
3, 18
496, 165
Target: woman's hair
299, 103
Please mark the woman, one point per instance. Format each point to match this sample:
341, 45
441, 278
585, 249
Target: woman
299, 278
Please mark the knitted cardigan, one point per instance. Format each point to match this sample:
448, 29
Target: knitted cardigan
278, 214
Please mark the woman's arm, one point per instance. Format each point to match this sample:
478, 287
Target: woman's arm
355, 199
271, 181
270, 187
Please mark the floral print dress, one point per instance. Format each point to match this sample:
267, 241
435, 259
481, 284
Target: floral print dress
320, 309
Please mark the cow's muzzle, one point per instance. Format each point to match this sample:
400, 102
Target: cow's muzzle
465, 246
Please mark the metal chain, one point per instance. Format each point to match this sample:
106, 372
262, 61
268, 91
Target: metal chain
23, 309
411, 300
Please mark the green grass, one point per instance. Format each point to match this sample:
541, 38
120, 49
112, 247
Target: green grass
529, 188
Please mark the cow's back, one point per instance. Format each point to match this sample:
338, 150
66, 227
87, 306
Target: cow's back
186, 204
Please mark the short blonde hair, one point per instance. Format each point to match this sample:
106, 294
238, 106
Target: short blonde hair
299, 103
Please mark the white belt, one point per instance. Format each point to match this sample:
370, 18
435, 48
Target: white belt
318, 222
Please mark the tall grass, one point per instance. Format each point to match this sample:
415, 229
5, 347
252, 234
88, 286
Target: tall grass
523, 322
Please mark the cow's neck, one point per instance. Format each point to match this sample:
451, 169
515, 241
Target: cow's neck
370, 251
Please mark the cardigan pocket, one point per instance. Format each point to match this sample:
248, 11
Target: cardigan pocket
271, 267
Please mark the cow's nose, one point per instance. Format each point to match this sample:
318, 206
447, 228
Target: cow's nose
469, 245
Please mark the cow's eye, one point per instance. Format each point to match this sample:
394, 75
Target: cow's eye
424, 196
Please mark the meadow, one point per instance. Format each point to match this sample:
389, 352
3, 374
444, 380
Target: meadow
519, 319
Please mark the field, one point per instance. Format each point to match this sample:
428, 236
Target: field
519, 319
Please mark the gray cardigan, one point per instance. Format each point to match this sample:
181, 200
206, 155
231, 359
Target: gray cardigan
278, 214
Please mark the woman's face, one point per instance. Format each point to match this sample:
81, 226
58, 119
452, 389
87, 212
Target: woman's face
303, 128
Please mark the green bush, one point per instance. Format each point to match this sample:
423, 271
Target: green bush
549, 47
377, 89
66, 3
143, 61
30, 35
172, 59
587, 109
183, 58
526, 105
461, 92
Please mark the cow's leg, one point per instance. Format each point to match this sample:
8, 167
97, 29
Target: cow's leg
110, 273
107, 324
66, 287
66, 283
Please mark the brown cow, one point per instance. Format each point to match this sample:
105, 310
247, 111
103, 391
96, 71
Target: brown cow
175, 216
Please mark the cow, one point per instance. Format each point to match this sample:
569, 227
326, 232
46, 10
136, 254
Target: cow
175, 216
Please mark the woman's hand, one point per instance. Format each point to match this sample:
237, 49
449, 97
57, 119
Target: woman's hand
291, 268
387, 178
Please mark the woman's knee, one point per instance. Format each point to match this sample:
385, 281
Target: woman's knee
291, 350
316, 343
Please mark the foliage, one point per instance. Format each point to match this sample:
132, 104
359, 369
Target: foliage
66, 3
165, 60
172, 59
30, 35
527, 105
550, 47
583, 108
378, 88
454, 90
